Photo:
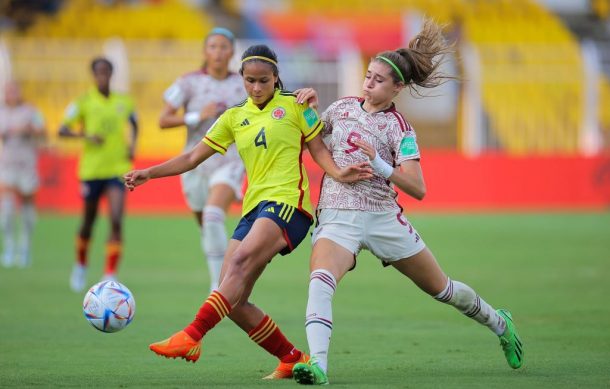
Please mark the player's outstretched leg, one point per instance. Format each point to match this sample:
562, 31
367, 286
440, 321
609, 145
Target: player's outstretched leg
510, 341
309, 373
186, 344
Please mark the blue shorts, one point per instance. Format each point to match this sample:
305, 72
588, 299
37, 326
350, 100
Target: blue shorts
294, 223
92, 190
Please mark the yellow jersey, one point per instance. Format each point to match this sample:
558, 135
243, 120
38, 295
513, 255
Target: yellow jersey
270, 142
105, 117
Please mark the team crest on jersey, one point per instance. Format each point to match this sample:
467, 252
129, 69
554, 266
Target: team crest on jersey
278, 113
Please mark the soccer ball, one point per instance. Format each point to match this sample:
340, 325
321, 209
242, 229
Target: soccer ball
109, 306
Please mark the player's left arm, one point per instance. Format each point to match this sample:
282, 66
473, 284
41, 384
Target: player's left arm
133, 134
324, 159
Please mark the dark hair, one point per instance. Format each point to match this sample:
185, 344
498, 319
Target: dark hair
101, 60
265, 52
417, 63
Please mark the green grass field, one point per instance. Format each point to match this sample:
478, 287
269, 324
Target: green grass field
551, 270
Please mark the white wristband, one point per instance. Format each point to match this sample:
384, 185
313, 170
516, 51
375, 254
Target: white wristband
192, 118
382, 167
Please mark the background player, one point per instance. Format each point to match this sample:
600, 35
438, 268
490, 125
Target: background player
210, 188
22, 132
107, 154
366, 215
269, 130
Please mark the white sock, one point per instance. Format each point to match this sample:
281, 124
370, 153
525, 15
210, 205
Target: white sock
319, 315
214, 241
7, 223
28, 218
465, 300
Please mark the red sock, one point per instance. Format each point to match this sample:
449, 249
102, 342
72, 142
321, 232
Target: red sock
82, 249
268, 335
113, 255
211, 313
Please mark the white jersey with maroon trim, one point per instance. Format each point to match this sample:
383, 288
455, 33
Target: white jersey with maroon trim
19, 149
389, 133
194, 91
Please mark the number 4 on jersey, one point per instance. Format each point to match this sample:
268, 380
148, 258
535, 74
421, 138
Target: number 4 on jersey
260, 139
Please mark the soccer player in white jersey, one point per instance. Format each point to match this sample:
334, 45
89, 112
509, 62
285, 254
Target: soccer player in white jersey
210, 188
21, 133
365, 214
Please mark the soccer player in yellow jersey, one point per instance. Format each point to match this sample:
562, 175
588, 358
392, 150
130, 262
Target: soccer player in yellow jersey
107, 155
269, 129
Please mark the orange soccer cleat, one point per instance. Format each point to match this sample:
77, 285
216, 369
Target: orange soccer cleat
178, 345
284, 369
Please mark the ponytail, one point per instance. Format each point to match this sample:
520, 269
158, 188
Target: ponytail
417, 65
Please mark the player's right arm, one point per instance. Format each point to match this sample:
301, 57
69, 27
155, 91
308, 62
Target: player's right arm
176, 97
172, 167
72, 116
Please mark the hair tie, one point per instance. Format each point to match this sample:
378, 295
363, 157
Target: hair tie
259, 57
392, 65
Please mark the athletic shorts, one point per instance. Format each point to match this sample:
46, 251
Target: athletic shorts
388, 235
196, 183
294, 223
92, 190
25, 181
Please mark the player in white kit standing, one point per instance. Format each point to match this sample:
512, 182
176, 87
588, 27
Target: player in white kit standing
365, 214
21, 133
210, 188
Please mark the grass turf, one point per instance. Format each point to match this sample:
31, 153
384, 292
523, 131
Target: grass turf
550, 270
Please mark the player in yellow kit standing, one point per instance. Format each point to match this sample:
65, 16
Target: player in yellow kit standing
108, 150
269, 129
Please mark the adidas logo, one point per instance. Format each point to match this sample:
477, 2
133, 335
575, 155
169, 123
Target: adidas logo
244, 123
270, 210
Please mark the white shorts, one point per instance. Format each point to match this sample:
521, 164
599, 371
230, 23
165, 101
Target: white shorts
196, 183
388, 235
25, 181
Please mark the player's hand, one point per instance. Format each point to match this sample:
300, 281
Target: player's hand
366, 148
353, 173
308, 95
136, 178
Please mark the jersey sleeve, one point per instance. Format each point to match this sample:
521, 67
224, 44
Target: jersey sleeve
405, 146
73, 113
175, 95
309, 122
220, 135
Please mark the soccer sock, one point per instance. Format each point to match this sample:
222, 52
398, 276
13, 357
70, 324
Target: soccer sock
28, 216
7, 222
82, 250
214, 241
319, 315
465, 300
268, 335
113, 255
213, 310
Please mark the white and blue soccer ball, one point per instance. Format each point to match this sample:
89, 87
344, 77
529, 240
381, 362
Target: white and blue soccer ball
109, 306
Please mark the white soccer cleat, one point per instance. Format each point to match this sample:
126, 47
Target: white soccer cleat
78, 278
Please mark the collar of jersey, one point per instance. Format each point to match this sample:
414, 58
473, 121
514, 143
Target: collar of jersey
97, 93
389, 109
